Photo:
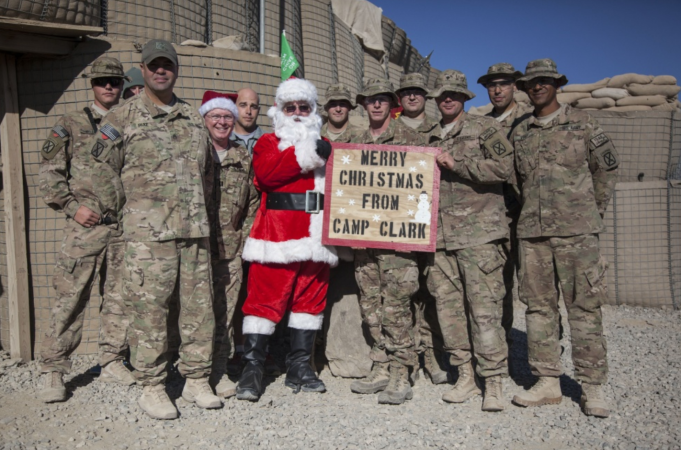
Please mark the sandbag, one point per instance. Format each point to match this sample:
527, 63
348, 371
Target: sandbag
520, 96
586, 87
664, 79
194, 43
236, 42
481, 110
599, 103
666, 107
629, 108
624, 80
653, 89
21, 9
570, 97
613, 93
646, 100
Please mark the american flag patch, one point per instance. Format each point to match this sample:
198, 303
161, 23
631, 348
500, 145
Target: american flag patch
60, 131
110, 132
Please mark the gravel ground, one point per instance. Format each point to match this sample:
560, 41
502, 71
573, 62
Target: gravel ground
643, 391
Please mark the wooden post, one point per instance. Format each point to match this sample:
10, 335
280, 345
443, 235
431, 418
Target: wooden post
15, 217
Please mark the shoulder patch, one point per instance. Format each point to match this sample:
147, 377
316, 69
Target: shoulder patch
51, 147
109, 132
487, 134
98, 148
599, 140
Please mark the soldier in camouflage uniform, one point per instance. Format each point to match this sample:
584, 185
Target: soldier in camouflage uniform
412, 94
157, 144
387, 279
91, 244
337, 107
465, 275
567, 169
500, 83
231, 202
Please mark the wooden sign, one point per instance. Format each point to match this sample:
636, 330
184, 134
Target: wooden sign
382, 196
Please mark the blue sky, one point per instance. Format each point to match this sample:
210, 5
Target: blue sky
589, 40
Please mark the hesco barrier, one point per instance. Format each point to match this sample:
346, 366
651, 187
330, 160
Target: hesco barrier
73, 12
41, 103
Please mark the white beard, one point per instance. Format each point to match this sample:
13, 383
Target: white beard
293, 130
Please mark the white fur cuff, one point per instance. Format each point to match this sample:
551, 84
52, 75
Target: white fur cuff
258, 325
304, 321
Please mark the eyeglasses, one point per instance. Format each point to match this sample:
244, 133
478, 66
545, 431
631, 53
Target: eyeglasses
377, 98
102, 82
304, 108
540, 81
492, 85
408, 92
217, 118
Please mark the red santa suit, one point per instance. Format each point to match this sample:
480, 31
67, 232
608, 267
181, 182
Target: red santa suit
289, 265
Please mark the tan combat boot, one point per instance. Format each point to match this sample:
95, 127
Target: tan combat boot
593, 401
398, 389
53, 389
377, 380
116, 372
226, 388
546, 391
466, 386
492, 400
432, 367
197, 390
155, 402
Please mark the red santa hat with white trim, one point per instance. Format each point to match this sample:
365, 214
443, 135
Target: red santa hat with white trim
294, 90
212, 100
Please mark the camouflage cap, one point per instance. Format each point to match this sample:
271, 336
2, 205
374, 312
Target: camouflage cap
339, 92
134, 78
413, 80
452, 81
106, 67
541, 68
377, 86
498, 71
158, 48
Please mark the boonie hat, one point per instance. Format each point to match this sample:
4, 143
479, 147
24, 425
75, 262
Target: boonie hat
339, 92
452, 81
413, 80
134, 78
376, 86
106, 67
500, 70
158, 48
541, 68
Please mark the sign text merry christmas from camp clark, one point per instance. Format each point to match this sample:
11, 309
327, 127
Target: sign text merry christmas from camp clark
382, 196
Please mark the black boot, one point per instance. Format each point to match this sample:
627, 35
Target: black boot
250, 381
299, 373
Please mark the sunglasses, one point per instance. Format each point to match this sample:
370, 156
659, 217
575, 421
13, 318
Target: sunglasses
102, 82
304, 109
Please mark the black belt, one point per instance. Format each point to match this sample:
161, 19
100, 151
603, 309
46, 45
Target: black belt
311, 202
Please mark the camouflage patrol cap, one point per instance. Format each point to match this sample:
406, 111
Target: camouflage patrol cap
541, 68
498, 71
158, 48
376, 86
452, 81
339, 92
411, 81
106, 67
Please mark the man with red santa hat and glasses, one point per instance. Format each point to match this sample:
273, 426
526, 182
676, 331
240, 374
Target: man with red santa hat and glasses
289, 265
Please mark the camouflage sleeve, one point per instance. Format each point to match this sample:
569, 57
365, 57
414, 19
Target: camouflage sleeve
106, 150
54, 169
603, 164
495, 167
253, 205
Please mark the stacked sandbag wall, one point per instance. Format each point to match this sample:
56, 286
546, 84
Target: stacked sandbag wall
627, 92
236, 17
41, 103
71, 12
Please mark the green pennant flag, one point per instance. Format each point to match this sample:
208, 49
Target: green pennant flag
289, 63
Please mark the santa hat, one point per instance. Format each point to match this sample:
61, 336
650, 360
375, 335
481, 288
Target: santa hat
294, 90
212, 100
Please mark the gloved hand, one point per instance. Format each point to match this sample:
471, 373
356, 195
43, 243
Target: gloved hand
323, 148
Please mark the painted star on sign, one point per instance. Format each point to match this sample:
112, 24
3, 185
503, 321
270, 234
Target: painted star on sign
341, 211
412, 169
410, 213
339, 193
422, 163
346, 159
411, 198
351, 203
376, 218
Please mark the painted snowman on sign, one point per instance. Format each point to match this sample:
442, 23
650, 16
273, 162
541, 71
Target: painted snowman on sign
423, 213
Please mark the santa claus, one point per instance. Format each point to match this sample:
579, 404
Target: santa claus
289, 265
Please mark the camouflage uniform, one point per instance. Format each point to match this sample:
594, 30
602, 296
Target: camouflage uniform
348, 135
231, 202
67, 183
388, 279
520, 112
567, 173
161, 157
